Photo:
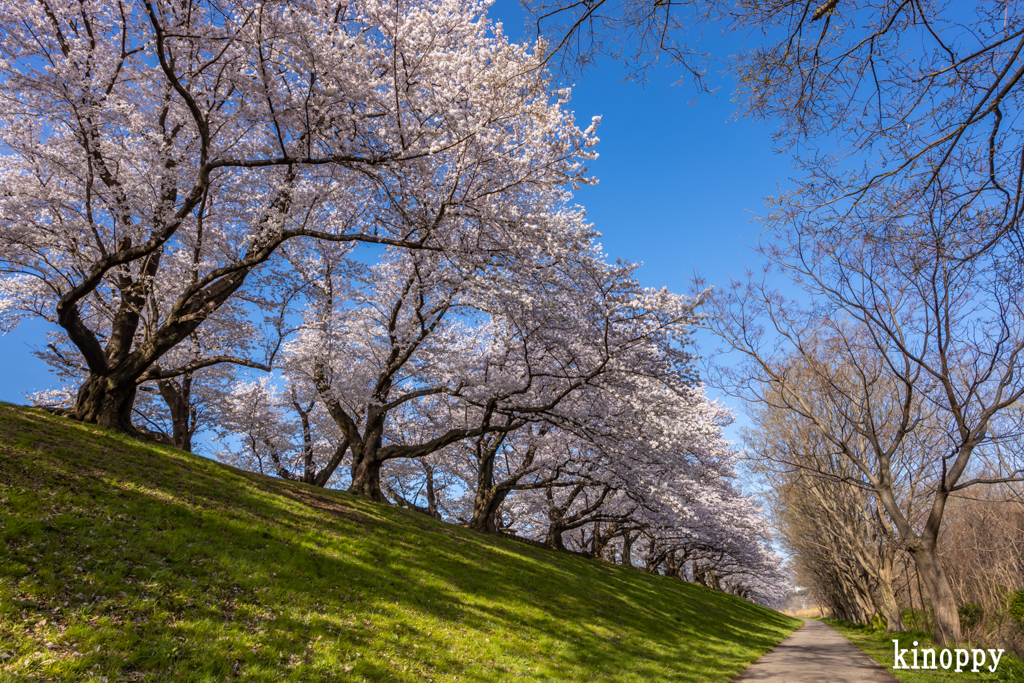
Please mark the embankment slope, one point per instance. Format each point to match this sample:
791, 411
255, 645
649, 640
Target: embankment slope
123, 560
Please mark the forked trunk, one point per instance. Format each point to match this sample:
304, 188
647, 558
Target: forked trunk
485, 508
553, 537
484, 512
488, 497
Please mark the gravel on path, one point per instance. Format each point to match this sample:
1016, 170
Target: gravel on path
815, 653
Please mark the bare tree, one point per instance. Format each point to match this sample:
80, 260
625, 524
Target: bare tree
887, 105
639, 34
840, 538
904, 357
882, 104
983, 549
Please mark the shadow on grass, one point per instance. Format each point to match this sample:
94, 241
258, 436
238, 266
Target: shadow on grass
145, 561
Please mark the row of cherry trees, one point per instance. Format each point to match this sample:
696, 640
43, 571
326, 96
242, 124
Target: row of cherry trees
369, 205
556, 403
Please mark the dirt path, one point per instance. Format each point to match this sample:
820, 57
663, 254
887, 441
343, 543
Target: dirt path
816, 653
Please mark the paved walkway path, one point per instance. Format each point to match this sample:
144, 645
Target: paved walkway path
816, 653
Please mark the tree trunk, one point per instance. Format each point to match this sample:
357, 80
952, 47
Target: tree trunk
865, 601
553, 537
936, 585
487, 499
324, 475
308, 466
365, 463
179, 401
102, 402
596, 541
699, 574
556, 514
673, 565
653, 559
431, 495
601, 543
627, 549
366, 479
485, 510
893, 618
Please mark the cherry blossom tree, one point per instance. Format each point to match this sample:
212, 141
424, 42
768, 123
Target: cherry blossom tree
180, 394
429, 479
650, 481
496, 465
419, 358
134, 132
285, 432
559, 397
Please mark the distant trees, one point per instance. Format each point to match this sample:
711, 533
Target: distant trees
284, 432
843, 547
903, 229
841, 541
905, 366
894, 382
983, 550
554, 400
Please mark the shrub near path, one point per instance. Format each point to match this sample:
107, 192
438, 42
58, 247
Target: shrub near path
130, 561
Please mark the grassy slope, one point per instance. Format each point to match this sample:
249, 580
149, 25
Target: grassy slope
878, 645
129, 561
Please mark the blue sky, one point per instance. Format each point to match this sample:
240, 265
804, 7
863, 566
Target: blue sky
680, 185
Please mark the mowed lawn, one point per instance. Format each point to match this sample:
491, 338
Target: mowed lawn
128, 561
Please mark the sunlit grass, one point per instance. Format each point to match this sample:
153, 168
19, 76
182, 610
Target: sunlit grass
130, 561
878, 645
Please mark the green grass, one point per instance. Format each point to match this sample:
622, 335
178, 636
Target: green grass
129, 561
878, 645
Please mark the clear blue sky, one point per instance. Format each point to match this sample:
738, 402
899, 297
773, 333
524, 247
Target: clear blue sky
679, 185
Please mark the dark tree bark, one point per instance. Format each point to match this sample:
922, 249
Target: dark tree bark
559, 519
106, 403
488, 498
178, 397
627, 548
324, 475
489, 494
